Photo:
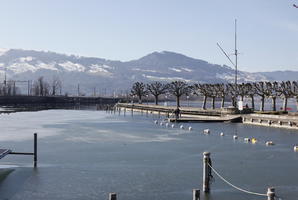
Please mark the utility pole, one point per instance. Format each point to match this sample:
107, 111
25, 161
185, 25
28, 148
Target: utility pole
78, 89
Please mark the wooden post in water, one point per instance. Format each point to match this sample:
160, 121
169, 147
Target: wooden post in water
206, 170
195, 194
35, 151
147, 113
112, 196
271, 193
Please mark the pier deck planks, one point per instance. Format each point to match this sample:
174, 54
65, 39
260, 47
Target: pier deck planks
4, 152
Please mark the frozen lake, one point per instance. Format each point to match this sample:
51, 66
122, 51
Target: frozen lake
87, 154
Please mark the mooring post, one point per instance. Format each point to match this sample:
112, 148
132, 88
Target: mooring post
206, 170
195, 194
35, 150
112, 196
271, 193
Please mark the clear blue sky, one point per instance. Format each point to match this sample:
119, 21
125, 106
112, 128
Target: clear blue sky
129, 29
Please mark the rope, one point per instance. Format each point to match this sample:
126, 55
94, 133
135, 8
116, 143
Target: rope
238, 188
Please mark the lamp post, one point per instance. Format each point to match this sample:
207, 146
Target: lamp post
187, 97
147, 99
166, 103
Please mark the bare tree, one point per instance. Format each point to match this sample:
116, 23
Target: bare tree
221, 93
272, 92
156, 89
251, 91
285, 90
203, 90
178, 88
295, 91
233, 92
260, 89
139, 89
56, 85
41, 87
242, 90
212, 92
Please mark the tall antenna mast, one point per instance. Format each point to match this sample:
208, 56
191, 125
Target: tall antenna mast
236, 53
5, 75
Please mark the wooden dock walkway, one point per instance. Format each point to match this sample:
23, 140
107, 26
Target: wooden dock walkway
207, 119
168, 110
4, 152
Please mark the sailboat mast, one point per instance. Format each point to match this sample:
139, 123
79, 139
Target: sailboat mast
236, 53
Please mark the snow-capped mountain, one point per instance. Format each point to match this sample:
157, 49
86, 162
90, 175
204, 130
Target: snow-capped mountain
107, 75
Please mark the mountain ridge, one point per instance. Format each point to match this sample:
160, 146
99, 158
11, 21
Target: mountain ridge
114, 75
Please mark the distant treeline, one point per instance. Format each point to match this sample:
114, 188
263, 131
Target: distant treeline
54, 100
263, 90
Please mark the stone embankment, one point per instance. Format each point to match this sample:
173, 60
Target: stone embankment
280, 121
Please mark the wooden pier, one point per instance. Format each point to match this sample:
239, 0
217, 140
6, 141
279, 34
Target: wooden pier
5, 152
208, 119
191, 114
184, 111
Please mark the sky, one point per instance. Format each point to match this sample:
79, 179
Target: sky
129, 29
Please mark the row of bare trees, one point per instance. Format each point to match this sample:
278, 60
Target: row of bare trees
8, 89
41, 87
263, 90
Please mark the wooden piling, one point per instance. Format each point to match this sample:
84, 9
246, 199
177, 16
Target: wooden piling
195, 194
206, 170
271, 193
112, 196
35, 151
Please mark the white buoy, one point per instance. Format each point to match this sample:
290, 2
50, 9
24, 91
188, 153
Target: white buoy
155, 122
190, 128
222, 134
296, 148
181, 127
269, 143
206, 131
167, 124
246, 139
173, 125
235, 137
161, 123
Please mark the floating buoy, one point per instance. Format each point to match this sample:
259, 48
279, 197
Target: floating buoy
167, 124
206, 131
254, 140
181, 127
161, 123
246, 139
235, 137
173, 125
190, 128
222, 134
296, 148
155, 122
269, 143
